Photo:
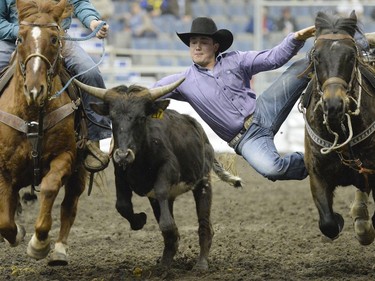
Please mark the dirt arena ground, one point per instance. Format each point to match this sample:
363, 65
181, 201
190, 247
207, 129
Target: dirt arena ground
264, 231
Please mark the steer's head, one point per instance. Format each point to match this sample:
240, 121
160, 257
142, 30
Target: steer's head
130, 109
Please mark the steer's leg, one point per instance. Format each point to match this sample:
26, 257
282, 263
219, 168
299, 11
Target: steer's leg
162, 187
60, 167
124, 203
9, 230
203, 200
171, 236
68, 211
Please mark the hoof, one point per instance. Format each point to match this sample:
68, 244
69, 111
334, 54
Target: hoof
58, 259
201, 265
21, 232
365, 232
139, 221
59, 255
332, 228
38, 249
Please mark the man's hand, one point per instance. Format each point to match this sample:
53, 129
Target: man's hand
102, 33
305, 33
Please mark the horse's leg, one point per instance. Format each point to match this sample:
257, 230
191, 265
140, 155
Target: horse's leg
60, 167
73, 190
203, 200
363, 227
9, 230
330, 223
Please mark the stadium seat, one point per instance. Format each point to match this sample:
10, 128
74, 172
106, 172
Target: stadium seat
214, 9
239, 9
141, 43
179, 45
184, 61
166, 61
243, 42
164, 42
198, 9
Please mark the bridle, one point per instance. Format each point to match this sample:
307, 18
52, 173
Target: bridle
34, 130
336, 80
355, 74
351, 140
51, 71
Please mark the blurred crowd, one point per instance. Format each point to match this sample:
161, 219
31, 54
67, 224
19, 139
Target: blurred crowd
136, 16
131, 19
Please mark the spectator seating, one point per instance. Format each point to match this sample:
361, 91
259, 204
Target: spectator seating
229, 14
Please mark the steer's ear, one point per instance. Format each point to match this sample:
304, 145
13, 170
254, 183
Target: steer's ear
158, 107
161, 104
100, 108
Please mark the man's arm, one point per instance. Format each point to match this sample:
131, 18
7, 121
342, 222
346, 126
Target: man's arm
8, 30
89, 16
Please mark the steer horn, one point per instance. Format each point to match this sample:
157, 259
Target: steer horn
163, 90
94, 91
155, 92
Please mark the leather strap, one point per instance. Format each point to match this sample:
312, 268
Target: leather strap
8, 74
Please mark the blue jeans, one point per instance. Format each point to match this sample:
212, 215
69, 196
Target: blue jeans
6, 50
77, 61
272, 107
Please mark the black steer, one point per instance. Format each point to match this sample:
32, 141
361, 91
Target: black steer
160, 154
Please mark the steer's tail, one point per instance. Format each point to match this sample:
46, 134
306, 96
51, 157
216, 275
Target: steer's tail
224, 175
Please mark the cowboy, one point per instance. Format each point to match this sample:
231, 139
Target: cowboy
217, 86
77, 61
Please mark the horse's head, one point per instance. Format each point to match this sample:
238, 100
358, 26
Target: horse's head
335, 57
39, 46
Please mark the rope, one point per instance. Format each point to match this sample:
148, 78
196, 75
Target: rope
336, 146
91, 35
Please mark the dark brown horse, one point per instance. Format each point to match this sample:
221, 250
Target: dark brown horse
340, 125
37, 132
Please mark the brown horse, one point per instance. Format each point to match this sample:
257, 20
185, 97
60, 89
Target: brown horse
37, 132
340, 115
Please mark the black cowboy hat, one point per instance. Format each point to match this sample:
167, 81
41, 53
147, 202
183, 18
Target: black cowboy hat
206, 27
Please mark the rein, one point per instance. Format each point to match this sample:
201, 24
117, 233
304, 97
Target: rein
91, 35
35, 130
51, 72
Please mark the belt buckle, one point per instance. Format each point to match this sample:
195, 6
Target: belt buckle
248, 122
246, 126
235, 140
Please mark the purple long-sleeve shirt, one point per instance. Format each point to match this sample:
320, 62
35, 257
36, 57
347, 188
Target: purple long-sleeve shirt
223, 97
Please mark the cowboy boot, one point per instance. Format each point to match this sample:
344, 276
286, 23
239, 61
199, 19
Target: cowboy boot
96, 160
371, 39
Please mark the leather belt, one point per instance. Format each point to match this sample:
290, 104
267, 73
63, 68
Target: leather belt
246, 126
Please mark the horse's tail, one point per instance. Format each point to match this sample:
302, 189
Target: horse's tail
226, 176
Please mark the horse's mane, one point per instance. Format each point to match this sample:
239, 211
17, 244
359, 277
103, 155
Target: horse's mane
33, 9
335, 24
